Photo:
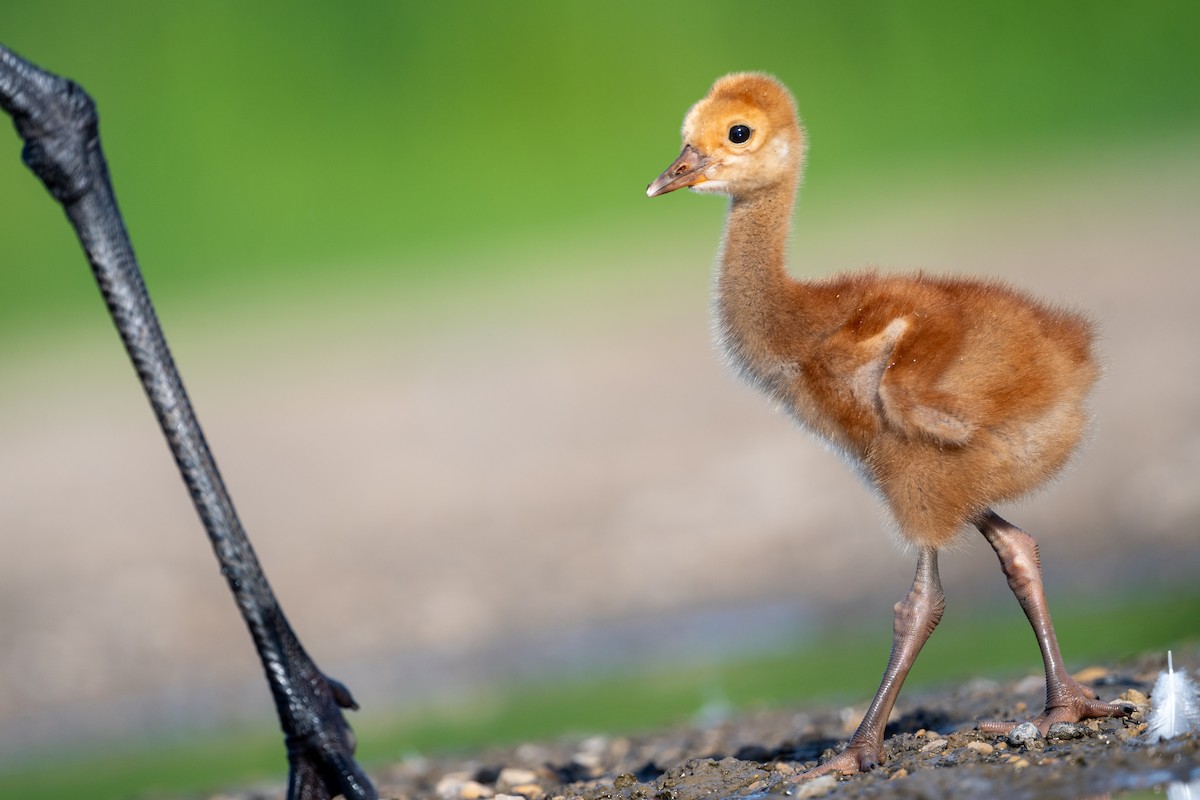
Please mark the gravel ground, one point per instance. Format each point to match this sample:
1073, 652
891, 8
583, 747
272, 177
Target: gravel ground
932, 751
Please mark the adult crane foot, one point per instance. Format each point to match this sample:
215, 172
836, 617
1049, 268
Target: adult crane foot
321, 760
320, 744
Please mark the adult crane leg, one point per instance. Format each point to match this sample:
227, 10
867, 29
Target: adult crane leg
58, 123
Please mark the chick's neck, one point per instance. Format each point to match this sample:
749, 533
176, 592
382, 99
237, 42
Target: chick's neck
756, 300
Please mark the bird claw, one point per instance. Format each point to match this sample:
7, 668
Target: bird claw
341, 694
325, 775
1074, 703
324, 778
854, 759
321, 759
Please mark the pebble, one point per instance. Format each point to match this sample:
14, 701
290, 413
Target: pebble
530, 791
1131, 733
460, 786
784, 768
474, 790
900, 773
1135, 697
814, 788
936, 746
1066, 730
1023, 735
588, 762
512, 776
624, 781
983, 748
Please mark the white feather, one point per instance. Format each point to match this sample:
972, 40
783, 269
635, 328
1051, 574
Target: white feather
1184, 791
1175, 703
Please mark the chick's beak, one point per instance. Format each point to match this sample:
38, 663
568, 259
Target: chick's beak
688, 170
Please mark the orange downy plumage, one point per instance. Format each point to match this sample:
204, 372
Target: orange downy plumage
947, 394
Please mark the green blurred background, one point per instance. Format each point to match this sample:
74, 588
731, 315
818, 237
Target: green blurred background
410, 159
283, 142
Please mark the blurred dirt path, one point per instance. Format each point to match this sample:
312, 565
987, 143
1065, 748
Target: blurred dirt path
505, 474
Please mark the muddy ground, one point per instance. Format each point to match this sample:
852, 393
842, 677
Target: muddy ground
932, 751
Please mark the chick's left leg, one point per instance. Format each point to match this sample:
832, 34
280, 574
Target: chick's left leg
916, 617
1067, 700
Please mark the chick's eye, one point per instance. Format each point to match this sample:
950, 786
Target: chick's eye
739, 134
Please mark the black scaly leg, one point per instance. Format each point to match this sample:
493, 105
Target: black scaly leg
58, 123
